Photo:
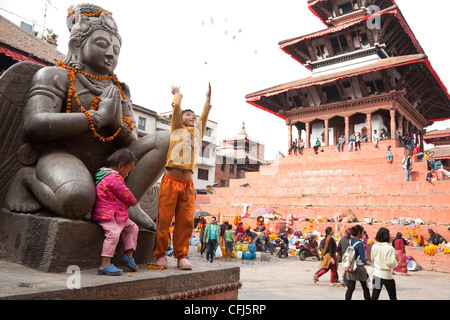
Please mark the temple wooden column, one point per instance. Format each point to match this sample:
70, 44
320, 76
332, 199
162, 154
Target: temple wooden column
308, 133
347, 129
369, 126
393, 127
421, 140
299, 132
289, 136
400, 124
326, 135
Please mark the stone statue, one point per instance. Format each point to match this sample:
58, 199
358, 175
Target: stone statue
59, 124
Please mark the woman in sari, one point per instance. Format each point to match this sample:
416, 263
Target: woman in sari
328, 258
399, 246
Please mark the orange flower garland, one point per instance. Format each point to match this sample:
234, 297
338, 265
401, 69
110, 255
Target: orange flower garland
151, 266
94, 106
95, 14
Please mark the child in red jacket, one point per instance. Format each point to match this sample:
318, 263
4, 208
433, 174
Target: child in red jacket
111, 211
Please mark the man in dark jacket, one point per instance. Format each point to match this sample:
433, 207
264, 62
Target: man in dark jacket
435, 238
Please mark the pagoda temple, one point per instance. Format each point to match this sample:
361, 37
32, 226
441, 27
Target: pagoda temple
368, 72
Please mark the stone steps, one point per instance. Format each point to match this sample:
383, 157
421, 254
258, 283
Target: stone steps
328, 183
380, 212
338, 187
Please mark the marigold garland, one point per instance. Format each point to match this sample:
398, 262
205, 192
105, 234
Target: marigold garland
94, 106
151, 266
95, 14
430, 250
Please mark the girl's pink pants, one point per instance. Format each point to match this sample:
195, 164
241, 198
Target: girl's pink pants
113, 230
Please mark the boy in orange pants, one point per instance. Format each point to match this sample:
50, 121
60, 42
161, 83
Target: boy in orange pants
177, 193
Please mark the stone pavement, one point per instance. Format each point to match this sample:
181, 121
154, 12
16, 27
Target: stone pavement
268, 278
271, 278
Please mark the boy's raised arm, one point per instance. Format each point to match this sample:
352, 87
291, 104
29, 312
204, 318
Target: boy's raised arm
207, 107
176, 109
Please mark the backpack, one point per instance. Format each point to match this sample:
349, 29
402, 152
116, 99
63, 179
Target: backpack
349, 258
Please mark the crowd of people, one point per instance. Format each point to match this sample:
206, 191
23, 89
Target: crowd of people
355, 139
436, 170
385, 256
215, 235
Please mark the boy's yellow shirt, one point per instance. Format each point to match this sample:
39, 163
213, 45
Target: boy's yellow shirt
185, 142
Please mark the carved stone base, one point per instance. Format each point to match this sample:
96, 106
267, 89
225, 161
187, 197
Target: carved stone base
51, 244
205, 282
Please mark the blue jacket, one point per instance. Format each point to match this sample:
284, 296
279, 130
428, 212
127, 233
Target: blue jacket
359, 249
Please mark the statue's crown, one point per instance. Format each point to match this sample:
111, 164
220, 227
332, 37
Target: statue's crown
85, 18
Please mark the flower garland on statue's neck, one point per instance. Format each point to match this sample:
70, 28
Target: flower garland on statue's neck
94, 106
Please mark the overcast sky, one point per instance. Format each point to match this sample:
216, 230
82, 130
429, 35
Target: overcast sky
232, 44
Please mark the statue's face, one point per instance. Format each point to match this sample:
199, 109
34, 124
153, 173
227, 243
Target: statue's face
100, 53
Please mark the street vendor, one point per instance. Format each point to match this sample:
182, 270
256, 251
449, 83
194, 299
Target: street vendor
435, 238
249, 236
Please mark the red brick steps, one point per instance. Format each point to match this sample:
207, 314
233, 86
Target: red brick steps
328, 183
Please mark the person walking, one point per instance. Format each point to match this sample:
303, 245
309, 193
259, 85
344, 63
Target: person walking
360, 274
329, 254
202, 236
229, 240
384, 259
212, 234
407, 166
342, 247
399, 246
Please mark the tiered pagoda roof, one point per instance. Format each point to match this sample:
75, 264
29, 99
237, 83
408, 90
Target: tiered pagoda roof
326, 10
351, 60
395, 38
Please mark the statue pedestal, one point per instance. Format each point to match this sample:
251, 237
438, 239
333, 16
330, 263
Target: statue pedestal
52, 244
36, 251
